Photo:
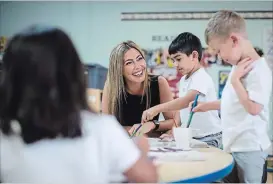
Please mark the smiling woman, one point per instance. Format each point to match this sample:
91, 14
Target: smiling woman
129, 90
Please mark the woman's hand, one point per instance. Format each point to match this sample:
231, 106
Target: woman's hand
144, 129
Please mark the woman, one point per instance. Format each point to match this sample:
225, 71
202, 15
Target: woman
48, 133
129, 90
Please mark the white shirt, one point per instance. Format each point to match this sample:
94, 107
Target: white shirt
104, 147
241, 130
204, 123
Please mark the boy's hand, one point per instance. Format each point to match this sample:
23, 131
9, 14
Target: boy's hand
149, 114
242, 69
200, 107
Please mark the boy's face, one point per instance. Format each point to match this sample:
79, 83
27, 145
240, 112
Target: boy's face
229, 49
183, 63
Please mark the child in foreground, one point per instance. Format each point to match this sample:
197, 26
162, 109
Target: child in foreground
48, 132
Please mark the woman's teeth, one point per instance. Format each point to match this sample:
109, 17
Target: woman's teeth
138, 73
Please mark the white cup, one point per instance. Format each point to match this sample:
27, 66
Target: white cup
182, 137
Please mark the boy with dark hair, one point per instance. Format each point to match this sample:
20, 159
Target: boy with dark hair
186, 52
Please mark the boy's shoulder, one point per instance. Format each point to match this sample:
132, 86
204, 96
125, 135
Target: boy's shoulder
202, 75
260, 67
260, 74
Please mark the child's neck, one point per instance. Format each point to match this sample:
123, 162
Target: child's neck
195, 68
249, 51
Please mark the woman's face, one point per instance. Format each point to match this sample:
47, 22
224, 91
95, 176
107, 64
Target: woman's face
134, 66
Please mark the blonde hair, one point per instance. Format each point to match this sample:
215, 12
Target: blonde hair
115, 83
224, 22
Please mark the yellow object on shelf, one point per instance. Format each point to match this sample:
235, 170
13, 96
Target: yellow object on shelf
3, 43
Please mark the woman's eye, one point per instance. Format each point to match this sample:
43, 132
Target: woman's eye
128, 63
140, 58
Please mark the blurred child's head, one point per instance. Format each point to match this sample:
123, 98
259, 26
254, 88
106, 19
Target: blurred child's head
186, 52
226, 33
43, 85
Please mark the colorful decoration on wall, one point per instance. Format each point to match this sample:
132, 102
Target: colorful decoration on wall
223, 76
3, 42
160, 63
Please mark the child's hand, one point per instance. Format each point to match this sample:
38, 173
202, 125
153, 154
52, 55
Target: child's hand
149, 114
200, 107
166, 137
242, 69
133, 128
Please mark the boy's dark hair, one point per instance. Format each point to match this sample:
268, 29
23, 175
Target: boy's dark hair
259, 51
186, 43
42, 85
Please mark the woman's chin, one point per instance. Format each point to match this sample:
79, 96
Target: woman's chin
138, 79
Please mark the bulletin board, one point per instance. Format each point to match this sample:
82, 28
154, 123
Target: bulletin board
223, 76
3, 43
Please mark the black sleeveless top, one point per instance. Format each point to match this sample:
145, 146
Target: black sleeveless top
132, 108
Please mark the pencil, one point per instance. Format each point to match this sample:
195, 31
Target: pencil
134, 133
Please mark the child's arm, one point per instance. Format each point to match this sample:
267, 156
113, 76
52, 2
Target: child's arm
177, 104
248, 97
250, 106
206, 106
174, 105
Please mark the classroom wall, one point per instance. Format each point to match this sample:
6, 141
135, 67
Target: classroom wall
95, 27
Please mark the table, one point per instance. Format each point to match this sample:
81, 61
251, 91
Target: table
217, 165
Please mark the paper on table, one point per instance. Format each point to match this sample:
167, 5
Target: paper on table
177, 156
156, 142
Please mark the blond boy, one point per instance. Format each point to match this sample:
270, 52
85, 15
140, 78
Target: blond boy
246, 97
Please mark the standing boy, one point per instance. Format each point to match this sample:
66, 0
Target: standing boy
245, 98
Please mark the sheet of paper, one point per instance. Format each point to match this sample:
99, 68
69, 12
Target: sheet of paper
180, 156
156, 142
